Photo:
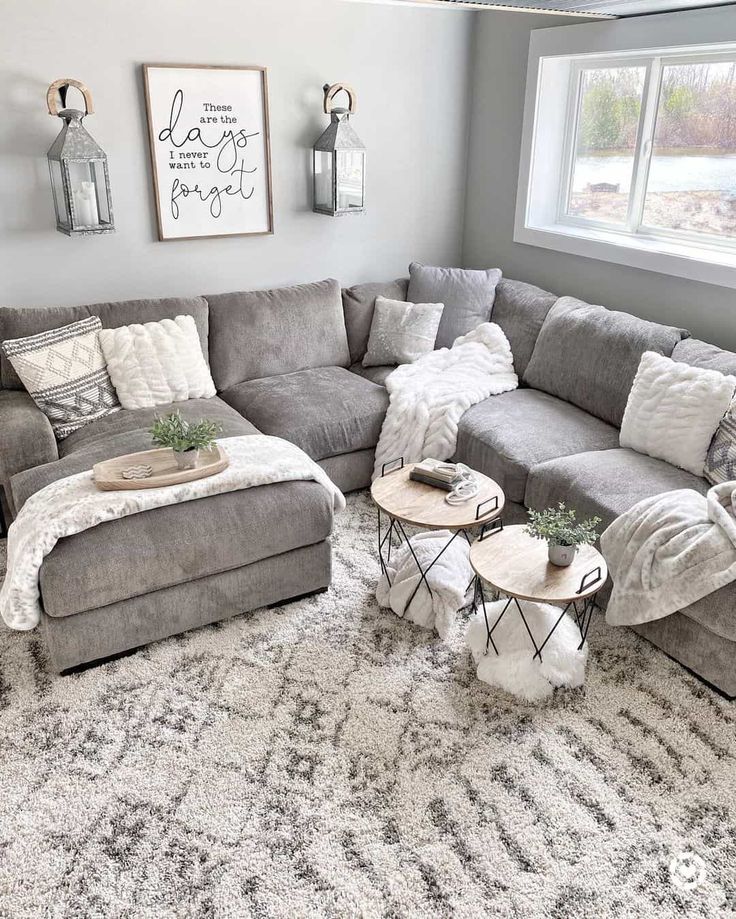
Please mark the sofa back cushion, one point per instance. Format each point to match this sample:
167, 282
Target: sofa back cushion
708, 357
20, 322
520, 309
589, 355
263, 333
358, 303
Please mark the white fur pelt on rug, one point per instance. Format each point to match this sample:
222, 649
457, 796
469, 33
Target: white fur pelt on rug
428, 397
449, 578
74, 503
514, 668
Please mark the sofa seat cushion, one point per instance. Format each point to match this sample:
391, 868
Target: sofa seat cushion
325, 411
605, 483
716, 612
141, 419
374, 374
118, 434
505, 436
168, 546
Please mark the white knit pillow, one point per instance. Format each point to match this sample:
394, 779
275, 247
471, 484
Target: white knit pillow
674, 409
156, 363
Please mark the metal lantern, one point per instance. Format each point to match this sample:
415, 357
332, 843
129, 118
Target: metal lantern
78, 165
339, 160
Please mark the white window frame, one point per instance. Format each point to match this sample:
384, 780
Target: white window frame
550, 132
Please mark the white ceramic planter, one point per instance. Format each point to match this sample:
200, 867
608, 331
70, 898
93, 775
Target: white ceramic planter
562, 556
186, 459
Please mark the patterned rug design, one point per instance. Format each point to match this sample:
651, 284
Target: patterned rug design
326, 759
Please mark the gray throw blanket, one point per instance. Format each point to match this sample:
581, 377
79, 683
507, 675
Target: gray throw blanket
668, 551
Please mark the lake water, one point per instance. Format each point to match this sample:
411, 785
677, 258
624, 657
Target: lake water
667, 173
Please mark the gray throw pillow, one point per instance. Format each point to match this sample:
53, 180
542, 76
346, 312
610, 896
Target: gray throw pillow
401, 332
468, 296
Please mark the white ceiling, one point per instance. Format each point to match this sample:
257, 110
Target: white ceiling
596, 8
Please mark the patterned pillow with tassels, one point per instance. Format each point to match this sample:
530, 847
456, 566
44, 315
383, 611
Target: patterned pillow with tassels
720, 463
65, 373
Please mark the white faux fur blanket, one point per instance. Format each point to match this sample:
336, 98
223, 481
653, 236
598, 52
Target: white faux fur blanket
74, 504
668, 551
428, 397
515, 669
449, 578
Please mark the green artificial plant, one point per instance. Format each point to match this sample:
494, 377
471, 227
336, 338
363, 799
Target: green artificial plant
560, 526
181, 435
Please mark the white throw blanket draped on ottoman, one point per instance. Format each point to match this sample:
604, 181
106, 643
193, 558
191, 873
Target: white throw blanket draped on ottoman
429, 397
668, 551
74, 504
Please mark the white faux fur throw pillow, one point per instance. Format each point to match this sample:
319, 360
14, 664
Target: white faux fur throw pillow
674, 409
156, 363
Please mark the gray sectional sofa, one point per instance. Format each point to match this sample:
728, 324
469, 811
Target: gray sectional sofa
288, 362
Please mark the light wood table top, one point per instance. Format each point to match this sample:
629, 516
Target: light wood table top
517, 565
423, 505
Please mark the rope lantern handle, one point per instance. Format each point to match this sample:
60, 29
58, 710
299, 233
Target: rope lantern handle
332, 91
60, 87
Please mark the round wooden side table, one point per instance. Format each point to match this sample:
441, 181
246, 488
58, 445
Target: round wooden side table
406, 502
516, 565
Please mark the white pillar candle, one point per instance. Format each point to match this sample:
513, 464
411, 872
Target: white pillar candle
85, 205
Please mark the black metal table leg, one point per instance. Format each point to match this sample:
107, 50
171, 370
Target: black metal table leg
396, 528
583, 621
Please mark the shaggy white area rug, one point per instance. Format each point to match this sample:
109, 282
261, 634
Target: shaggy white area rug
327, 759
515, 668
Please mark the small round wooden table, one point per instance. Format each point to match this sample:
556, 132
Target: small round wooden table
516, 565
405, 501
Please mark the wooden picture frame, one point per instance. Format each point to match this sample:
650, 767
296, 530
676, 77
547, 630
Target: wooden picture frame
209, 140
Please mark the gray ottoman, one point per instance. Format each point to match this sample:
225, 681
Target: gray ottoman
132, 581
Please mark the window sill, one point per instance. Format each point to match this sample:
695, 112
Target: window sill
672, 257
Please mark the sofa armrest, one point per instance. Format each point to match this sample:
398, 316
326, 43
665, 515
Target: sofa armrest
26, 436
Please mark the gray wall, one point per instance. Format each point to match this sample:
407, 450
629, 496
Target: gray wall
499, 76
410, 67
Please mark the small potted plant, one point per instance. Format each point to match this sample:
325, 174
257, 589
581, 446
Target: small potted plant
562, 531
185, 439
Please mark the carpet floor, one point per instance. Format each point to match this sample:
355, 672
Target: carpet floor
326, 759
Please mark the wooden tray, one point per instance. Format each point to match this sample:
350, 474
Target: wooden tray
108, 475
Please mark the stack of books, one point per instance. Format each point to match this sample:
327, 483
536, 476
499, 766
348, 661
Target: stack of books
437, 473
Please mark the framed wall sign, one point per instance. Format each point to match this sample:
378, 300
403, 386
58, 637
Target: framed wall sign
210, 150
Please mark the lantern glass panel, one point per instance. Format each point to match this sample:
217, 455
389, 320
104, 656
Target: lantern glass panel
323, 180
350, 179
85, 194
100, 179
57, 185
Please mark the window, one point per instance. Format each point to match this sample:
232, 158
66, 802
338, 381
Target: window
637, 152
664, 164
692, 174
609, 104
